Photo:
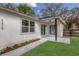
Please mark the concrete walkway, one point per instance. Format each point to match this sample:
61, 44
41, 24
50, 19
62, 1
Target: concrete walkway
60, 39
21, 50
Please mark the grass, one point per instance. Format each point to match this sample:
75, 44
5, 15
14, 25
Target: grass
56, 49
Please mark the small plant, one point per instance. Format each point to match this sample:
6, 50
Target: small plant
15, 46
22, 44
26, 42
2, 51
7, 49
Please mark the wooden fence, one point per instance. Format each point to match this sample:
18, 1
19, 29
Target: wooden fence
73, 33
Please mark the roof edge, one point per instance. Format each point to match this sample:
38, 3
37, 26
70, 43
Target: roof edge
15, 12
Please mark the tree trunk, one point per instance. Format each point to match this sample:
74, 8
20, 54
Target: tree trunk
70, 32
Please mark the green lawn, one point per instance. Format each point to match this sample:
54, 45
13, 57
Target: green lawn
56, 49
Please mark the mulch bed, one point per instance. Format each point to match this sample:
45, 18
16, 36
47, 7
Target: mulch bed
15, 46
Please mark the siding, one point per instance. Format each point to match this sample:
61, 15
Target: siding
12, 30
60, 29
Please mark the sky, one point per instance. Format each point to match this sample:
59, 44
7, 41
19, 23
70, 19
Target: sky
39, 6
71, 5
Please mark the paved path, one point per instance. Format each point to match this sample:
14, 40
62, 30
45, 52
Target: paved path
21, 50
59, 39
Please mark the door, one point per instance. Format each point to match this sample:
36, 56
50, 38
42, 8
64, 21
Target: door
43, 29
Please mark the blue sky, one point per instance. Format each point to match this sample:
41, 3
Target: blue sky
71, 5
42, 5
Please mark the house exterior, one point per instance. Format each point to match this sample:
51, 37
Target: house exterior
16, 27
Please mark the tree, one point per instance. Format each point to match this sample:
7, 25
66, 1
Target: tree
70, 16
45, 12
8, 5
72, 19
53, 9
23, 8
73, 16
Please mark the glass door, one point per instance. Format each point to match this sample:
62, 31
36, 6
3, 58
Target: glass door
43, 29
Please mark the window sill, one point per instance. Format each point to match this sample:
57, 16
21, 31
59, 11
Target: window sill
27, 33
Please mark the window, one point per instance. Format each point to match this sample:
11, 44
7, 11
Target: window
25, 26
32, 26
28, 26
43, 29
52, 29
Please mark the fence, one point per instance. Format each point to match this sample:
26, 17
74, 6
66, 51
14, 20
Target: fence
73, 32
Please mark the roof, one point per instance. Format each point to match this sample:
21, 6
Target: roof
52, 19
34, 18
15, 12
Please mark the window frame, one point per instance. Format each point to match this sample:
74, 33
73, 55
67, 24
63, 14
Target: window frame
32, 26
25, 26
52, 28
29, 27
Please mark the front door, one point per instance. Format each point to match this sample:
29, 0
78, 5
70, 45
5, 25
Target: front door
43, 29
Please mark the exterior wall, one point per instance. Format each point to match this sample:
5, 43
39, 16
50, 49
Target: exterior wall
12, 30
60, 29
47, 30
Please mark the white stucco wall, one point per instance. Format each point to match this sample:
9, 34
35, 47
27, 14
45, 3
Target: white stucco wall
60, 29
12, 30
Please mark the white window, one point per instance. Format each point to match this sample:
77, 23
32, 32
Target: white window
28, 26
25, 26
52, 29
32, 26
43, 29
